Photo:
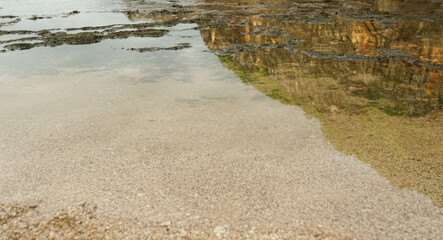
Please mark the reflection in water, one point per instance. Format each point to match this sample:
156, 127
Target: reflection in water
406, 88
370, 70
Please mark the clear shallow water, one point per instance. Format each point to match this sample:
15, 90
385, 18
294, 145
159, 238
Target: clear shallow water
370, 70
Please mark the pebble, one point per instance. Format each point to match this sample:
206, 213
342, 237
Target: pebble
165, 224
219, 230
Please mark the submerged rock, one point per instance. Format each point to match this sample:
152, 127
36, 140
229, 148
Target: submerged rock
19, 46
53, 39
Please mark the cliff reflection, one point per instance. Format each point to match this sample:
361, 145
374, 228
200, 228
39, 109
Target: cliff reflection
406, 88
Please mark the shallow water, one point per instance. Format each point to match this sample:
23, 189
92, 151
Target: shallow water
364, 68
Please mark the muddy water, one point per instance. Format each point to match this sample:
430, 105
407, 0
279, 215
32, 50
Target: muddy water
370, 71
